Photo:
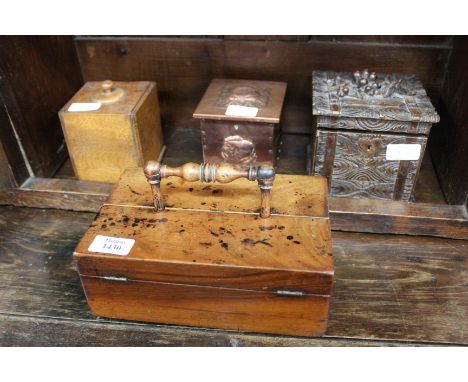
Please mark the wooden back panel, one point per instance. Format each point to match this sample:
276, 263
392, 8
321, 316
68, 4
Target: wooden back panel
40, 74
184, 67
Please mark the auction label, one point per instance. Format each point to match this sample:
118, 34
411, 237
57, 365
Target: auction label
403, 151
241, 111
112, 245
84, 106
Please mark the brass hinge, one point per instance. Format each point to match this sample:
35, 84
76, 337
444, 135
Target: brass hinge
289, 293
115, 278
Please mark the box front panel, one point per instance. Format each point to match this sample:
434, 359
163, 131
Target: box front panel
355, 164
239, 143
101, 147
234, 245
222, 308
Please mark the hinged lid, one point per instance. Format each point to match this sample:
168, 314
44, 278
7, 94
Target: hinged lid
211, 235
110, 97
398, 97
246, 100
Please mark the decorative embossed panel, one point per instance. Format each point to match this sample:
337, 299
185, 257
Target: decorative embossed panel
244, 95
243, 143
356, 116
374, 125
249, 135
364, 94
356, 165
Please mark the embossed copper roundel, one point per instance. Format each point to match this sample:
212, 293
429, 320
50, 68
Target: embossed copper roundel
244, 96
238, 150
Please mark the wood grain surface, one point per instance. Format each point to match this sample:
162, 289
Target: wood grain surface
120, 134
376, 216
355, 164
13, 157
388, 290
7, 179
374, 125
224, 308
19, 330
68, 194
297, 195
449, 140
220, 268
172, 245
40, 74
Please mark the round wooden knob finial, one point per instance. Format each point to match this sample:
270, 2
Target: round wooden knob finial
108, 93
107, 86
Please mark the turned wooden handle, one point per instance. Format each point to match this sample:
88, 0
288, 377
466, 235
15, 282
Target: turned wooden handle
206, 172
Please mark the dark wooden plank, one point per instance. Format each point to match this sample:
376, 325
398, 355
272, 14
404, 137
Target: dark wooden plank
419, 40
386, 286
266, 37
395, 217
36, 264
18, 330
449, 139
6, 176
427, 188
389, 286
292, 154
42, 73
184, 67
68, 194
10, 144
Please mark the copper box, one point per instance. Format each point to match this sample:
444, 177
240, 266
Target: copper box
240, 121
370, 132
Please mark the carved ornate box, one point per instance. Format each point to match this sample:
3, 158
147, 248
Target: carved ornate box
370, 132
239, 121
109, 127
210, 258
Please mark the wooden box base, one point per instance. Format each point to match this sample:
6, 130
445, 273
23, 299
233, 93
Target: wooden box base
221, 308
219, 267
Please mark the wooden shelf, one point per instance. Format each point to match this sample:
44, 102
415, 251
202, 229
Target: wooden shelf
432, 217
388, 290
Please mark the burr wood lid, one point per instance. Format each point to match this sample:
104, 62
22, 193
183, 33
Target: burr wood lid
216, 226
246, 100
371, 95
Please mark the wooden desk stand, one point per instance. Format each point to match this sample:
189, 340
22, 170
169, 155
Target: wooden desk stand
205, 254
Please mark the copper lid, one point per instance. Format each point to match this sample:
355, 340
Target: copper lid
262, 101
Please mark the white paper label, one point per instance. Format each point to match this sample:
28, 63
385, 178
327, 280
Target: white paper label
241, 111
112, 245
84, 106
409, 151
